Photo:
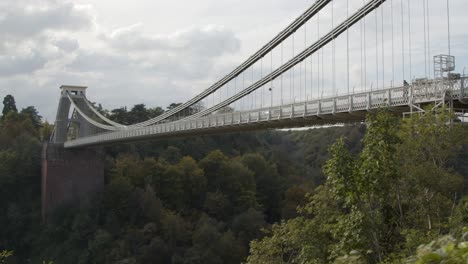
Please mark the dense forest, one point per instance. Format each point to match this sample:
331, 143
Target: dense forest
387, 191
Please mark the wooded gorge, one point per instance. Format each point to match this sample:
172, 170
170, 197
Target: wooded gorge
369, 193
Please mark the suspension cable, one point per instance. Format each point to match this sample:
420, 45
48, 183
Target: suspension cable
402, 41
429, 38
290, 84
102, 117
410, 45
425, 38
365, 52
362, 64
393, 44
383, 47
323, 74
254, 100
263, 88
362, 12
347, 47
89, 119
376, 50
243, 87
448, 28
333, 49
300, 79
235, 91
318, 57
311, 75
271, 84
282, 75
293, 69
305, 62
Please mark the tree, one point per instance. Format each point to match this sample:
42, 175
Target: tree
173, 105
218, 205
211, 245
33, 114
99, 246
196, 108
172, 155
119, 115
365, 187
268, 184
155, 111
248, 225
459, 219
46, 131
138, 114
225, 110
118, 199
4, 255
354, 184
445, 249
9, 105
428, 150
213, 164
193, 182
294, 197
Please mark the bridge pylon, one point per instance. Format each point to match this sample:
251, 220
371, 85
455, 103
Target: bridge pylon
70, 175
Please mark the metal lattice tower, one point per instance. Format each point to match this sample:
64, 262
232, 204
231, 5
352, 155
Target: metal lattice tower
443, 66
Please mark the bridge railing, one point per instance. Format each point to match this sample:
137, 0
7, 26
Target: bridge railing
391, 97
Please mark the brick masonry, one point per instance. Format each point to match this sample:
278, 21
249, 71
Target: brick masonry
69, 175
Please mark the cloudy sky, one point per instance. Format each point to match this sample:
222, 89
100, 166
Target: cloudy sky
143, 51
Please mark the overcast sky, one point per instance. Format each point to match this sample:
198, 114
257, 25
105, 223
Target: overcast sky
142, 51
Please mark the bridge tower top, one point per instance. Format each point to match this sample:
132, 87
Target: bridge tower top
73, 90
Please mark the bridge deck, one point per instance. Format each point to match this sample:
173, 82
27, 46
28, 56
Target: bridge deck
334, 110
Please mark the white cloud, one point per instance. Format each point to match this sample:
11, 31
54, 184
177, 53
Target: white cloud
21, 20
22, 64
67, 45
159, 52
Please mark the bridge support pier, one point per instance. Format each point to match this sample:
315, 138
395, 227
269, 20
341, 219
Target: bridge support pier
69, 175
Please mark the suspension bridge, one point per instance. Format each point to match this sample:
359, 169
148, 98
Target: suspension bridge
336, 62
295, 79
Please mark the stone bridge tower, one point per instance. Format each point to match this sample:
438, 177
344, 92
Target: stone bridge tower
68, 175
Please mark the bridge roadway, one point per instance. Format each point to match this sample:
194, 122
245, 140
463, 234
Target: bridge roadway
327, 111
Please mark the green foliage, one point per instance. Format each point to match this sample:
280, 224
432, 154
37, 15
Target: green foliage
9, 105
32, 113
46, 131
206, 199
305, 239
363, 185
4, 255
294, 197
339, 169
354, 257
428, 151
398, 192
460, 217
13, 125
445, 249
282, 245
